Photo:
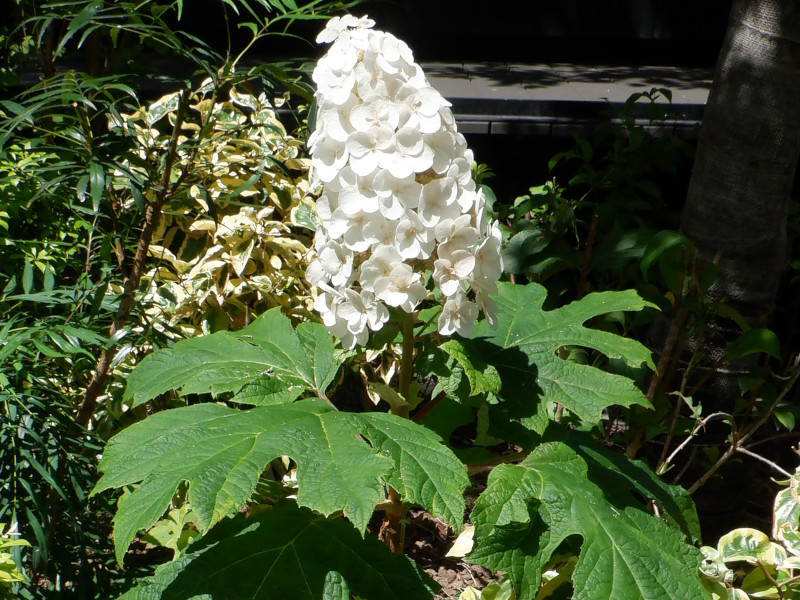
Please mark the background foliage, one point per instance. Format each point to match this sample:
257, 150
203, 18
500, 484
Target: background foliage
150, 218
144, 208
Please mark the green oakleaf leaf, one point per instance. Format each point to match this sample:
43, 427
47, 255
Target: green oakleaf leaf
528, 510
616, 475
220, 452
267, 391
172, 531
266, 350
529, 366
336, 587
286, 552
426, 472
482, 377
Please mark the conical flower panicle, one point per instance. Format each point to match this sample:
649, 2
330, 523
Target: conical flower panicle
398, 195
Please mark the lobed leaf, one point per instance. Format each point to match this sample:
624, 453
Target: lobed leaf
530, 367
426, 473
482, 377
286, 552
227, 361
617, 476
528, 510
220, 452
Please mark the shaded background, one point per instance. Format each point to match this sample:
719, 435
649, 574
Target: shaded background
630, 32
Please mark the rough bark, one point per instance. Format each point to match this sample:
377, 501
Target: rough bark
738, 198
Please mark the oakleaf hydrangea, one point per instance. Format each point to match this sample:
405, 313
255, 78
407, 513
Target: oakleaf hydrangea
398, 196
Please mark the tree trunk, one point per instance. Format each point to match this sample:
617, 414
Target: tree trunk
738, 197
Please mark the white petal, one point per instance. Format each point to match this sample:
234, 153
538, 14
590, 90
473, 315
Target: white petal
365, 165
463, 263
449, 287
315, 273
399, 166
378, 315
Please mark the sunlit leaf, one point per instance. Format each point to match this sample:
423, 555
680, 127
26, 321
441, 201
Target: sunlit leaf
96, 184
229, 448
227, 361
786, 521
27, 277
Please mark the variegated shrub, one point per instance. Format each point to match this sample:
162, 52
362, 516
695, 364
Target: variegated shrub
239, 242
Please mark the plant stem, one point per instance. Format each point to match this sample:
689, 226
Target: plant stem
475, 468
393, 529
587, 258
767, 461
663, 464
151, 218
771, 579
428, 407
98, 383
406, 363
668, 353
739, 441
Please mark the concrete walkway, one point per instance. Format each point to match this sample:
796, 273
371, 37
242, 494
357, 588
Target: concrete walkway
560, 99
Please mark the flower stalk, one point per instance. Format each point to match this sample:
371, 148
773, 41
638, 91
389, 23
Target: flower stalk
406, 364
398, 207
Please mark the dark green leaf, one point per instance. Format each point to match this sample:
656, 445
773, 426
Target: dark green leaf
519, 250
754, 341
616, 475
286, 552
49, 280
785, 416
532, 372
46, 350
482, 377
97, 182
13, 107
9, 287
336, 587
27, 277
251, 26
528, 510
80, 20
44, 473
659, 243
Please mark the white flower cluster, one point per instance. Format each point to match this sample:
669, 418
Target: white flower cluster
398, 196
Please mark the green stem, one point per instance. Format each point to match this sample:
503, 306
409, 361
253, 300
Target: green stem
394, 525
406, 363
256, 36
